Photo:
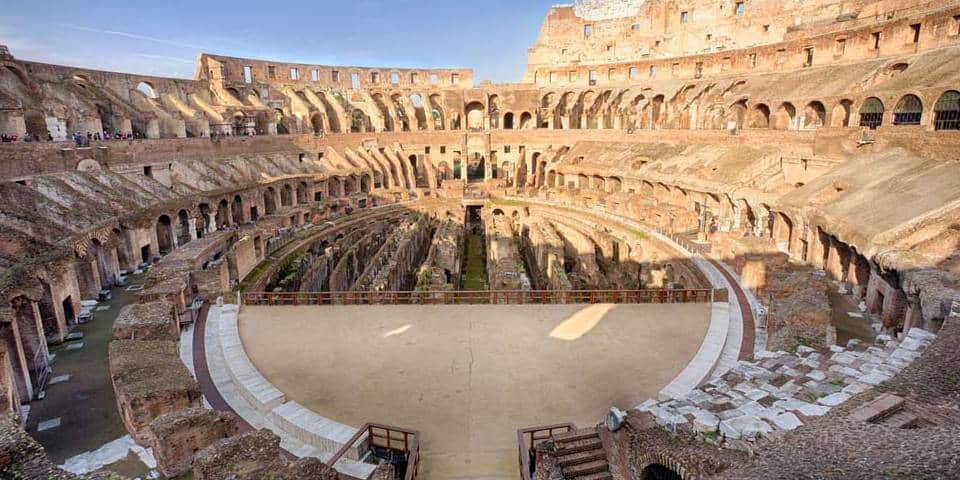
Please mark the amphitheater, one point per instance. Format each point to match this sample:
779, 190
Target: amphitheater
699, 240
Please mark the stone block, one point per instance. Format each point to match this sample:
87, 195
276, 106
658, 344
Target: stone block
746, 427
787, 421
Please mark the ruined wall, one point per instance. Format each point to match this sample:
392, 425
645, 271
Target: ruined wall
178, 436
149, 381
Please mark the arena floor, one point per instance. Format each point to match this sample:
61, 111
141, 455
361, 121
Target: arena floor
468, 377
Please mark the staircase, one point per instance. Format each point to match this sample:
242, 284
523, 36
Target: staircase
581, 455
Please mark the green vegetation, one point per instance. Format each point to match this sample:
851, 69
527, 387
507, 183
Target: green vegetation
474, 263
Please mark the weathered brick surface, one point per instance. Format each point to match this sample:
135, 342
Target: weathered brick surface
178, 436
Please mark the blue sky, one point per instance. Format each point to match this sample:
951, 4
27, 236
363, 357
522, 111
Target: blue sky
163, 37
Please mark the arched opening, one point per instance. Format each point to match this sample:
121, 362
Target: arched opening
269, 201
908, 111
814, 115
494, 111
508, 121
164, 234
475, 116
759, 116
286, 196
785, 116
183, 230
840, 116
871, 113
614, 185
237, 210
947, 111
444, 172
302, 194
476, 168
147, 89
415, 171
418, 111
223, 214
520, 179
203, 226
737, 113
656, 111
357, 121
280, 120
526, 121
316, 120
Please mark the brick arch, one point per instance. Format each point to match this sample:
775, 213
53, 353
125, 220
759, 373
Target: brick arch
659, 458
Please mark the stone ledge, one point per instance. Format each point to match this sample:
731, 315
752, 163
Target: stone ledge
304, 432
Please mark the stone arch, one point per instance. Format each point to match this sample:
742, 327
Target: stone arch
303, 195
147, 89
286, 195
493, 109
165, 236
840, 115
814, 115
183, 227
203, 226
785, 117
908, 111
614, 185
88, 165
759, 116
871, 113
474, 112
508, 121
947, 111
526, 121
222, 217
738, 113
269, 201
656, 111
316, 121
237, 210
436, 112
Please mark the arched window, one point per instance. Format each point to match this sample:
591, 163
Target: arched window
871, 113
147, 89
908, 111
947, 111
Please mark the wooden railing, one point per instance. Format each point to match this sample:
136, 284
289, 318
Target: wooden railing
476, 297
388, 437
527, 438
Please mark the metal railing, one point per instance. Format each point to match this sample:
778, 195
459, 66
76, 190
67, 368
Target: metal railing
386, 437
479, 297
528, 438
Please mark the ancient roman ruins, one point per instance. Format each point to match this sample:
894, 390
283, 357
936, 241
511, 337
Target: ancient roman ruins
699, 240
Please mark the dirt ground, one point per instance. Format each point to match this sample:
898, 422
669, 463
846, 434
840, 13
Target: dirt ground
468, 377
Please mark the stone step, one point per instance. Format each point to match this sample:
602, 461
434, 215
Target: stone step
884, 405
596, 476
569, 448
901, 419
582, 457
584, 469
575, 435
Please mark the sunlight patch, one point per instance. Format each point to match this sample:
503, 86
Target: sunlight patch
581, 322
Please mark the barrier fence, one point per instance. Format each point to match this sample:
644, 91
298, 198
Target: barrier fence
527, 440
399, 446
480, 297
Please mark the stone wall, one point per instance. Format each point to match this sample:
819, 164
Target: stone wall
149, 380
178, 436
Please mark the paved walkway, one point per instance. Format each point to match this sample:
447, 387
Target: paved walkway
79, 413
